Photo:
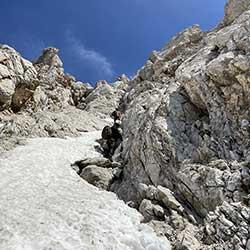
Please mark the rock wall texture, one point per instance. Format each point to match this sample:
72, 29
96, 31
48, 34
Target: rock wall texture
187, 128
17, 79
233, 9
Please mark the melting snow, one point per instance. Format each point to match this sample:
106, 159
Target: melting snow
44, 205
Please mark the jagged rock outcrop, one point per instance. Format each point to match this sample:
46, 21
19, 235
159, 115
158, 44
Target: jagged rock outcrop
54, 91
229, 225
233, 9
79, 93
17, 79
105, 98
187, 128
39, 99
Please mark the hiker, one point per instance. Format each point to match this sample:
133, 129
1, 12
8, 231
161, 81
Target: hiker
116, 115
112, 137
114, 142
117, 130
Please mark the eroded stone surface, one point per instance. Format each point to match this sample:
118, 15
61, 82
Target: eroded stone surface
186, 126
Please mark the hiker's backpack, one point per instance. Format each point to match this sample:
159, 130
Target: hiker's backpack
107, 133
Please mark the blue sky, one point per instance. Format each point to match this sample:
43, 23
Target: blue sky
101, 39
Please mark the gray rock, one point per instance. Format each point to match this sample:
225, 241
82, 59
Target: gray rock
4, 72
99, 162
182, 41
187, 241
17, 79
103, 100
151, 211
168, 199
97, 176
117, 173
67, 122
49, 57
245, 176
233, 9
162, 229
147, 71
79, 92
248, 245
159, 211
152, 193
228, 224
142, 189
185, 122
7, 90
147, 210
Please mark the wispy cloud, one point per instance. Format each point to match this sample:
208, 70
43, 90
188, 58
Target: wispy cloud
98, 61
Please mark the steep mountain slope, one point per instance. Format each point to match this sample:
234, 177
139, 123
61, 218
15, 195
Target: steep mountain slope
185, 151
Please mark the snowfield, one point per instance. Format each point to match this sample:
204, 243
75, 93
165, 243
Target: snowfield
45, 205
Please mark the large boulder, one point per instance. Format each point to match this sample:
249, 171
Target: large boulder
167, 197
98, 176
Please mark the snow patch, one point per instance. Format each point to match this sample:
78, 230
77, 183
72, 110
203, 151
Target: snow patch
46, 205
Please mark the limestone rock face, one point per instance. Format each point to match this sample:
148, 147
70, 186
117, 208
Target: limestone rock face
217, 83
7, 90
187, 128
68, 122
150, 211
49, 58
104, 99
180, 42
54, 84
234, 8
17, 79
79, 92
168, 199
229, 222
